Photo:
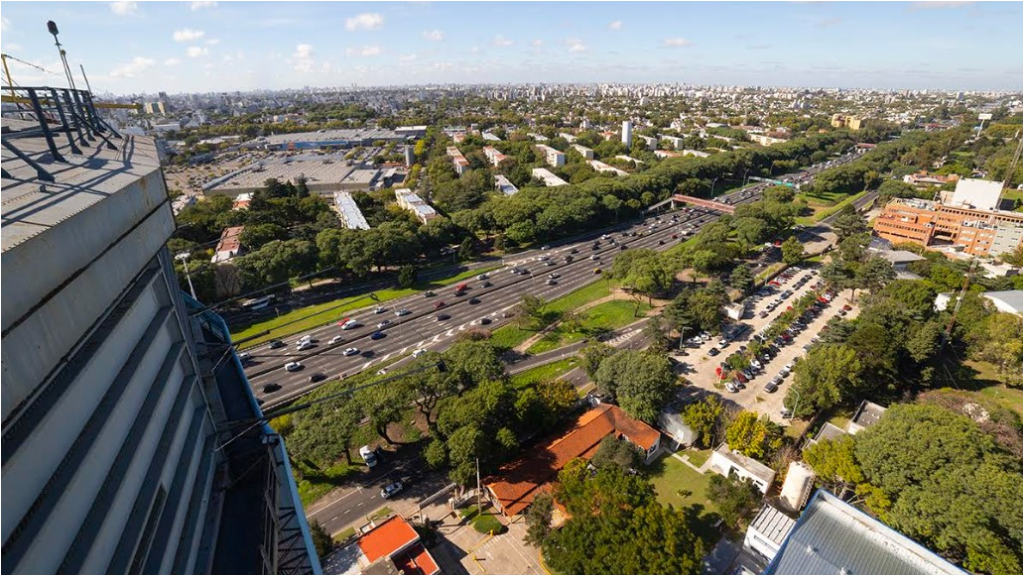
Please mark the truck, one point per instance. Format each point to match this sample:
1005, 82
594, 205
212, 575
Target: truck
368, 456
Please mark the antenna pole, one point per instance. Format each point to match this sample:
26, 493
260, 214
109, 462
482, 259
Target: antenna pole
87, 86
52, 27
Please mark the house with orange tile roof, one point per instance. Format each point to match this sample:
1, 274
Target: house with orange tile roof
229, 246
392, 547
513, 488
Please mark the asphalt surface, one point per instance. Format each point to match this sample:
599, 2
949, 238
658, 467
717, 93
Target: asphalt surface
421, 329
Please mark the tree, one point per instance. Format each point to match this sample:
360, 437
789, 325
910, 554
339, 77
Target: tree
792, 251
742, 278
383, 406
254, 236
322, 541
276, 262
592, 355
875, 273
466, 249
700, 310
835, 464
407, 276
529, 311
641, 382
750, 435
613, 451
997, 340
823, 378
737, 500
947, 483
654, 333
703, 417
538, 518
848, 222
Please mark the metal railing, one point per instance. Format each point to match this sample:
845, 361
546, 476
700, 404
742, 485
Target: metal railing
56, 115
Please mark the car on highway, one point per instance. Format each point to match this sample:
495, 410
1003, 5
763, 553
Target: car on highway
351, 351
481, 277
403, 312
625, 247
335, 340
384, 324
244, 357
293, 366
419, 352
269, 388
554, 275
595, 257
543, 258
485, 321
317, 377
380, 310
275, 344
551, 282
474, 300
443, 317
377, 335
439, 305
545, 247
429, 294
391, 489
574, 251
550, 263
304, 345
597, 270
486, 284
349, 324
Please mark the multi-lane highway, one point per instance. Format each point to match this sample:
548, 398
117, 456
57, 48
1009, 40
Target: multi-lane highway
432, 326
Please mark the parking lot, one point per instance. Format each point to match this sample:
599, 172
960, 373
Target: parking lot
702, 360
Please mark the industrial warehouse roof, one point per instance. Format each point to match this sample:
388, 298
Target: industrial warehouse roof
833, 537
330, 136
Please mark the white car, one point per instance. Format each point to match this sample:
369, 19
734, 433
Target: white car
402, 312
304, 345
756, 364
542, 258
306, 338
350, 325
384, 323
334, 340
293, 366
245, 356
380, 310
351, 351
481, 277
419, 352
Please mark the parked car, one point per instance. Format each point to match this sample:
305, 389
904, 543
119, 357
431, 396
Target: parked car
742, 377
731, 387
713, 352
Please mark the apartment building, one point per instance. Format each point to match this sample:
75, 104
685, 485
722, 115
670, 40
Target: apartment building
458, 160
504, 185
409, 200
627, 133
132, 441
553, 157
924, 178
587, 153
548, 177
975, 232
847, 121
493, 155
606, 168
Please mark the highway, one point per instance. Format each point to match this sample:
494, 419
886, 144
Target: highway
422, 328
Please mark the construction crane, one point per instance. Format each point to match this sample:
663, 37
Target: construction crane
11, 98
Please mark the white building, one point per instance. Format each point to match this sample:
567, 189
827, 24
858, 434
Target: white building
674, 141
548, 177
768, 531
493, 155
696, 153
351, 216
132, 441
229, 246
729, 463
553, 157
977, 194
602, 167
568, 137
504, 185
652, 142
458, 160
587, 153
627, 133
409, 200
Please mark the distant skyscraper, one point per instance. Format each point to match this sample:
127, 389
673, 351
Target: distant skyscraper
132, 442
627, 133
410, 158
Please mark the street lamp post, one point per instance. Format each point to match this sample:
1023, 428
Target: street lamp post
183, 257
796, 403
713, 182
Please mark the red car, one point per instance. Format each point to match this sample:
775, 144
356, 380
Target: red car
741, 377
847, 307
439, 305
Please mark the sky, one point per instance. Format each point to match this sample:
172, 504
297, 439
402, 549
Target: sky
144, 47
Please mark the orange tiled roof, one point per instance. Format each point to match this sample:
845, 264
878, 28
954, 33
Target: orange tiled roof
517, 483
416, 560
386, 539
230, 239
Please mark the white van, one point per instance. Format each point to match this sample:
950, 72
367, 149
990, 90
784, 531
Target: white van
368, 456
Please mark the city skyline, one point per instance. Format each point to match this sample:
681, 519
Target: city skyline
220, 46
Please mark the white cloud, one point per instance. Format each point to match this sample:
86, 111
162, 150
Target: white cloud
434, 35
187, 35
537, 43
364, 51
193, 6
368, 21
407, 57
500, 40
132, 69
576, 45
197, 52
4, 24
615, 25
914, 6
124, 8
302, 59
676, 42
213, 41
12, 48
474, 50
172, 62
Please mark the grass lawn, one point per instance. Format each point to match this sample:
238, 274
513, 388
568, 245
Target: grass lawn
510, 336
697, 457
683, 487
682, 246
544, 373
822, 210
317, 483
485, 523
319, 314
343, 535
601, 318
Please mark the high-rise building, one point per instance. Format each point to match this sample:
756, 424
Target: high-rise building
627, 133
132, 441
410, 158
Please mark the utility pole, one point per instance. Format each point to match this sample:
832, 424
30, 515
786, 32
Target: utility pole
479, 509
183, 257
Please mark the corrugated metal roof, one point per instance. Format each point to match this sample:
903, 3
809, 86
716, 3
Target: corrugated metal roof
773, 524
832, 537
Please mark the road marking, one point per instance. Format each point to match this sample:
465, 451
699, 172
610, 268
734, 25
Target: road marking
449, 333
386, 356
463, 327
402, 351
436, 338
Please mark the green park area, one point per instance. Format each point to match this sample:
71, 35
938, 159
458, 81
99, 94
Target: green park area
685, 489
824, 204
327, 312
510, 335
543, 373
591, 323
